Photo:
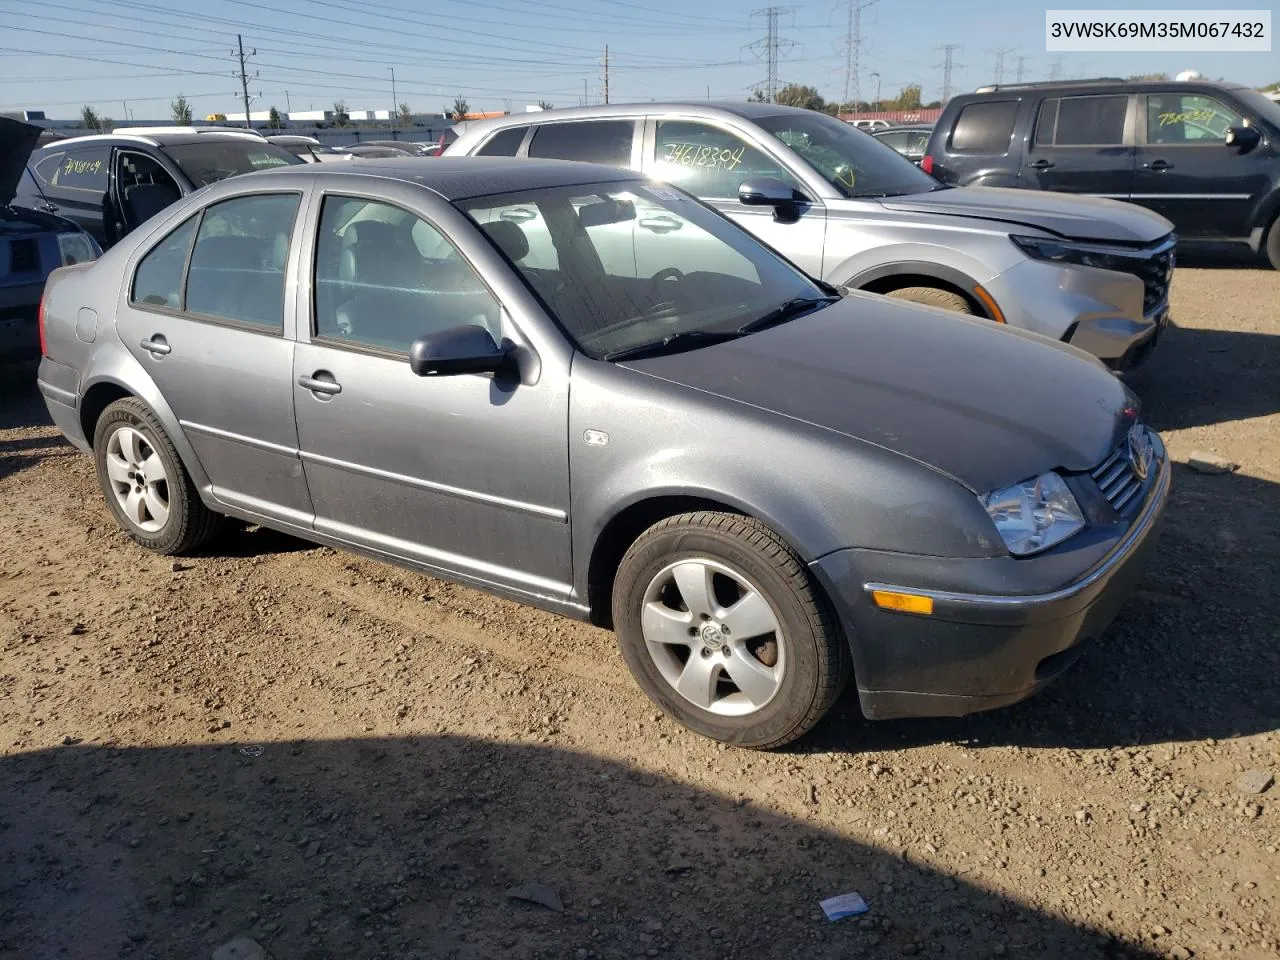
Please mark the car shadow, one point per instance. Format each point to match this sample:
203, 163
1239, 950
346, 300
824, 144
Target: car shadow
242, 540
1192, 655
406, 847
1220, 256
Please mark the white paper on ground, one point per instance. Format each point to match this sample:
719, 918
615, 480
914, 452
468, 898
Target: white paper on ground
844, 905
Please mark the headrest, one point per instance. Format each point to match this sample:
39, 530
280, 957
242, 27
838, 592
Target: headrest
509, 238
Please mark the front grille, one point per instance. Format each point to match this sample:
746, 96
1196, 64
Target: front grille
24, 256
1156, 273
1117, 479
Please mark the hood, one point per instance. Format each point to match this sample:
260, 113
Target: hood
17, 140
978, 401
1078, 218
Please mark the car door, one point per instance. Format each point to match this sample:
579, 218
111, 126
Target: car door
463, 474
76, 186
712, 161
1082, 145
205, 315
141, 187
1186, 172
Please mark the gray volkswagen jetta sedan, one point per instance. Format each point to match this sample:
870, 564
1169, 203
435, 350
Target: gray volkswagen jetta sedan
487, 370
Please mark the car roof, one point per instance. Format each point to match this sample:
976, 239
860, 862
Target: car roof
461, 178
706, 108
1098, 84
153, 139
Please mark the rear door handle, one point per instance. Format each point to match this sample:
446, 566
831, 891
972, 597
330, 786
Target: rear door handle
321, 382
1042, 165
157, 346
1158, 165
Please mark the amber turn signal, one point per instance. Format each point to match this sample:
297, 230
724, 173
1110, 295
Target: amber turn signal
903, 602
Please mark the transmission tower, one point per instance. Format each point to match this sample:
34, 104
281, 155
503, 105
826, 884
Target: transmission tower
771, 48
1022, 68
948, 64
1055, 69
1000, 55
853, 44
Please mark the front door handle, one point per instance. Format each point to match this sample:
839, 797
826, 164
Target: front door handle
157, 346
1158, 165
1042, 165
321, 382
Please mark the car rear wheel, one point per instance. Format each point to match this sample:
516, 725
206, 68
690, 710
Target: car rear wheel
722, 627
145, 484
933, 297
1273, 243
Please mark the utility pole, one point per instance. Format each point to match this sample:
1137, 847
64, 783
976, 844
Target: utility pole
244, 76
395, 104
584, 91
288, 107
771, 48
878, 100
606, 73
1055, 69
853, 45
1022, 68
948, 64
1000, 55
125, 105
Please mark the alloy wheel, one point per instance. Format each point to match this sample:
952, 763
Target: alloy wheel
138, 479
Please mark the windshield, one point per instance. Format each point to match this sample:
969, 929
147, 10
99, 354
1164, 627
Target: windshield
622, 266
211, 161
854, 162
1261, 104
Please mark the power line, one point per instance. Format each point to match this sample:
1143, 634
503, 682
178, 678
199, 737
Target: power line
948, 64
853, 42
771, 48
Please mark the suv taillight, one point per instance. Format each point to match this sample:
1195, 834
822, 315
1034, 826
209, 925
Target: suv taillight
44, 349
926, 164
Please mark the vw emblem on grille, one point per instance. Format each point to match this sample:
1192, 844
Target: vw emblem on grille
1141, 451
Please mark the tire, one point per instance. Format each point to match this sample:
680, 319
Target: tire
129, 435
728, 557
934, 297
1272, 245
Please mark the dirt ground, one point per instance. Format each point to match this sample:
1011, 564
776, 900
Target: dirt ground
341, 759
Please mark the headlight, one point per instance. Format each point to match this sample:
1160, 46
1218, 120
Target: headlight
77, 248
1035, 514
1097, 255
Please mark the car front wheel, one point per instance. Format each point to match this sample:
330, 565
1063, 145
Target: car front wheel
145, 484
723, 628
933, 297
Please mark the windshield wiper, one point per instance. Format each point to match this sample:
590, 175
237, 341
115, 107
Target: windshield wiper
787, 311
673, 343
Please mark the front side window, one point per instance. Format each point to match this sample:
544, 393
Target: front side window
385, 277
589, 141
1188, 118
208, 162
639, 265
505, 143
710, 162
158, 279
985, 126
238, 262
1087, 122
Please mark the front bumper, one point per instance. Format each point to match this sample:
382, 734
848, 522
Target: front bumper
984, 648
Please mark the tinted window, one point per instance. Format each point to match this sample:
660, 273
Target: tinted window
385, 277
238, 263
592, 141
984, 127
1188, 118
214, 160
896, 140
1047, 121
710, 162
47, 168
1091, 121
917, 140
505, 143
158, 280
82, 170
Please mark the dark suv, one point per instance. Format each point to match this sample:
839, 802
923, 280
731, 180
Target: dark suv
110, 183
1205, 155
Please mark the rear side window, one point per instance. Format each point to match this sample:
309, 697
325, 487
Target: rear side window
592, 141
985, 126
238, 262
82, 170
896, 140
504, 143
1082, 122
158, 280
47, 168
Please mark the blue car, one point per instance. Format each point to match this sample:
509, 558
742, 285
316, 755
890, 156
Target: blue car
32, 245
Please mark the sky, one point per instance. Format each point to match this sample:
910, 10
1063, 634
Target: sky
128, 58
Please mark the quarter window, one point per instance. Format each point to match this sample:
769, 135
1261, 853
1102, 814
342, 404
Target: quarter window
47, 168
1082, 122
710, 162
385, 277
1188, 118
592, 141
985, 126
505, 143
238, 262
158, 280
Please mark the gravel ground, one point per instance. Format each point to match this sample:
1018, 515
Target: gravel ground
338, 758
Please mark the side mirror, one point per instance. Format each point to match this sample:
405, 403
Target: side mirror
468, 348
1243, 139
772, 192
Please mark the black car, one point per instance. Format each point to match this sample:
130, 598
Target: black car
110, 183
1205, 155
909, 140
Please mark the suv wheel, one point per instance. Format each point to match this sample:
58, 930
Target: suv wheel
1272, 246
145, 484
722, 627
933, 297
